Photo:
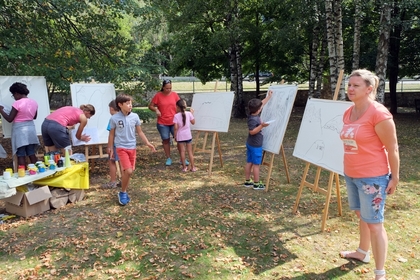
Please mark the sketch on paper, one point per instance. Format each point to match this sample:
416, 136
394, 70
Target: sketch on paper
37, 86
99, 95
91, 131
212, 111
318, 141
277, 111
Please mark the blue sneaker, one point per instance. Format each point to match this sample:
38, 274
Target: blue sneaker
123, 198
168, 162
186, 162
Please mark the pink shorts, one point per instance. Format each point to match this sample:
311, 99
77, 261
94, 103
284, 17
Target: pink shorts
127, 158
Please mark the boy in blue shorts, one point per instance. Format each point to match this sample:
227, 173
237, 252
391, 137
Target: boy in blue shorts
254, 142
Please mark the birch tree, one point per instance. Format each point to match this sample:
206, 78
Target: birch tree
357, 36
335, 43
383, 45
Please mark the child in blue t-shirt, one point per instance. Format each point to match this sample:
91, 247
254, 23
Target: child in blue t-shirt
113, 109
254, 142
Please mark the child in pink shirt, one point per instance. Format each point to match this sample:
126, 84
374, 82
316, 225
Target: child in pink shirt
183, 136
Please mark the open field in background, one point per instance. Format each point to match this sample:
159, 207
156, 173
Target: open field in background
182, 86
195, 226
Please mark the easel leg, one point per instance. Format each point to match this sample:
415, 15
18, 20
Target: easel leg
302, 184
327, 201
337, 188
117, 164
286, 168
197, 135
219, 149
212, 152
270, 169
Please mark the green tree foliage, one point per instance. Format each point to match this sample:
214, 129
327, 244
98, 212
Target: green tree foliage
69, 41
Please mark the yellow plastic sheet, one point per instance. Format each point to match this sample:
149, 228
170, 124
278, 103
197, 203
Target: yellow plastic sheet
74, 177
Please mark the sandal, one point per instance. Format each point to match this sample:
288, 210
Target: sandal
346, 255
185, 169
194, 169
379, 272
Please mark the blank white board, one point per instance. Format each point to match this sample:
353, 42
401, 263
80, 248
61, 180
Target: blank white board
99, 95
318, 141
37, 87
277, 110
212, 111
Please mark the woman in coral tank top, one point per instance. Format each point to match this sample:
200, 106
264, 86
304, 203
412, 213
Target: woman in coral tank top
370, 158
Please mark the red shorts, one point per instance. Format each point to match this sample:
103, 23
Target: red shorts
127, 158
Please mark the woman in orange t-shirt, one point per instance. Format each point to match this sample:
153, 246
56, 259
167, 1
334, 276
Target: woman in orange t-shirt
164, 105
370, 157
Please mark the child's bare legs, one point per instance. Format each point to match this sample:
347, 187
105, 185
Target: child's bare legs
125, 179
190, 155
181, 150
256, 172
113, 171
248, 168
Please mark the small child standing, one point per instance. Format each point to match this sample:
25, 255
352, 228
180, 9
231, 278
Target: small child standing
113, 109
183, 136
124, 126
254, 142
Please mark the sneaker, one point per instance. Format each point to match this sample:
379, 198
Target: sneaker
123, 198
248, 183
168, 162
186, 162
109, 185
259, 186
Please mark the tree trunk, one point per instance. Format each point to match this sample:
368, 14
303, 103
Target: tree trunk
383, 45
340, 46
238, 110
335, 43
356, 42
394, 51
314, 54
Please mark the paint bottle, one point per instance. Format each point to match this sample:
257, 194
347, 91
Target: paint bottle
21, 171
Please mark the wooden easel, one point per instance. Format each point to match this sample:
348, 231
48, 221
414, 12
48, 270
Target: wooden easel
332, 177
270, 165
215, 141
94, 155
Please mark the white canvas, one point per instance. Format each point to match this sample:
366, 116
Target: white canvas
99, 95
277, 112
212, 111
318, 141
37, 87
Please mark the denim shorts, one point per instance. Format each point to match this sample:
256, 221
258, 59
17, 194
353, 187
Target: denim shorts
254, 154
185, 141
116, 158
27, 150
165, 131
368, 195
55, 134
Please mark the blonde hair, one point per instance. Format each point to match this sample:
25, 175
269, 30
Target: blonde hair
89, 108
369, 78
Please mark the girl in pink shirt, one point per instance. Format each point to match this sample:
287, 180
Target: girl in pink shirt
24, 110
183, 136
55, 128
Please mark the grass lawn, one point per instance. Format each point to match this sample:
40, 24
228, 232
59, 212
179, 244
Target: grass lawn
194, 226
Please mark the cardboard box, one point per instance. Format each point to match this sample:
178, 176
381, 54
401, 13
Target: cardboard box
30, 203
60, 197
76, 195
